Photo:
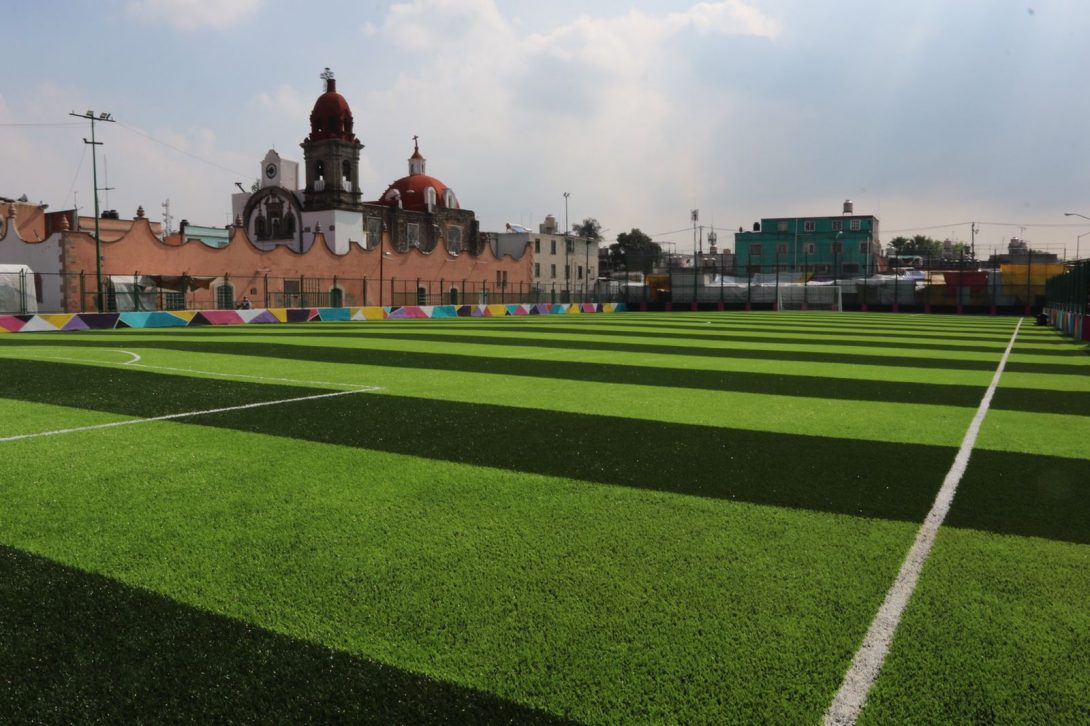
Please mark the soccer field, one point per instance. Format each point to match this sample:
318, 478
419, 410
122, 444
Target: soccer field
630, 518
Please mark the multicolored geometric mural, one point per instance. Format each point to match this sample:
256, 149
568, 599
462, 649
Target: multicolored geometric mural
192, 318
1072, 323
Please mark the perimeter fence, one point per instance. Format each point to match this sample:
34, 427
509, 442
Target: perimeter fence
955, 286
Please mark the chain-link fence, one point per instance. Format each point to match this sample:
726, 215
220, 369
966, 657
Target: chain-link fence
24, 292
954, 286
1070, 292
965, 286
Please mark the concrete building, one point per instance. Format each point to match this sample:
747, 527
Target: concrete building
838, 246
563, 264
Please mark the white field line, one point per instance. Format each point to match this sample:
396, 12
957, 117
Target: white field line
188, 414
135, 364
852, 696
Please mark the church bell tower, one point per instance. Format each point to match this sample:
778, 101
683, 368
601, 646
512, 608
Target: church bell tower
331, 153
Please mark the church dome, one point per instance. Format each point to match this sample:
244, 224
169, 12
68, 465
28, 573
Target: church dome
419, 192
331, 117
414, 192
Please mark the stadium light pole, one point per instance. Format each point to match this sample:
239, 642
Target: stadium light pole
90, 115
1077, 238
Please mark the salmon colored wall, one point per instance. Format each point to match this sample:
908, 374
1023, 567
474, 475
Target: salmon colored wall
140, 251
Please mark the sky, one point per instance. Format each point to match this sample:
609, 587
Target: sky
928, 114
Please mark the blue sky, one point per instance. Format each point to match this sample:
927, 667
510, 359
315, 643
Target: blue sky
929, 114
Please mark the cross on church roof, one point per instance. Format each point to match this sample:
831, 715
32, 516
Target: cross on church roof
326, 74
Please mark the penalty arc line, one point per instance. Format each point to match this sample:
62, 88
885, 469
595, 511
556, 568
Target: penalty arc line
868, 660
188, 414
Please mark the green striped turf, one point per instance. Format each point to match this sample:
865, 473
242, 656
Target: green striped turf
637, 518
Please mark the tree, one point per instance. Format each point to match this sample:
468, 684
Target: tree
635, 252
589, 229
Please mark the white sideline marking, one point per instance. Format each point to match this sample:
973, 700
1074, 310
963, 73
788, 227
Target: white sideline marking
171, 416
852, 696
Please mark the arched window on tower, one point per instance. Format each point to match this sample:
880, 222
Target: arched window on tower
319, 176
346, 175
429, 198
449, 200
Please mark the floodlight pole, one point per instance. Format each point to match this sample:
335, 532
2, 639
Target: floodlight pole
90, 115
1079, 237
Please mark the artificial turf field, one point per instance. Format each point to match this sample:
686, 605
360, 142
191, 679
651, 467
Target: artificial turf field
598, 518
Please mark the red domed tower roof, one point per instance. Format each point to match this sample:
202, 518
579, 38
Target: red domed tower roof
331, 117
417, 190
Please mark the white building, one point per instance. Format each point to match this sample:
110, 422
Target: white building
562, 263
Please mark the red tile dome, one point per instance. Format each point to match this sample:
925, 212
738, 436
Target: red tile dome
331, 117
413, 192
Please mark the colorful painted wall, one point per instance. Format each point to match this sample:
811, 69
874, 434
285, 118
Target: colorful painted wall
193, 318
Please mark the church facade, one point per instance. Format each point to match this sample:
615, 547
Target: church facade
305, 236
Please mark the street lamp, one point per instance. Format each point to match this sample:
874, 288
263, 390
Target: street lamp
1078, 237
90, 115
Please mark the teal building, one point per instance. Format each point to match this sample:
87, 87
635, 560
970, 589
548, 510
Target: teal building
843, 246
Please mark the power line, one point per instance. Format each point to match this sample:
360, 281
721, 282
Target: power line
54, 125
233, 172
76, 177
1026, 225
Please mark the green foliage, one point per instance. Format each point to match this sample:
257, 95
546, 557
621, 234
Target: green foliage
635, 252
929, 248
589, 229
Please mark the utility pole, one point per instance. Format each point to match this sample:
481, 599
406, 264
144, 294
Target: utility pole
90, 115
567, 250
972, 243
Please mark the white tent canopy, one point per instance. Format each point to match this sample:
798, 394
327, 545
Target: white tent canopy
18, 292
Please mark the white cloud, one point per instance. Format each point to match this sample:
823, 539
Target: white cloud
581, 107
193, 14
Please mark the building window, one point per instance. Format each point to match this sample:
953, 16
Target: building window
856, 225
336, 297
811, 248
552, 247
781, 226
569, 245
809, 226
173, 300
537, 269
429, 198
225, 297
537, 246
862, 248
552, 271
454, 240
579, 272
755, 249
781, 249
837, 225
838, 247
412, 234
590, 273
567, 272
851, 267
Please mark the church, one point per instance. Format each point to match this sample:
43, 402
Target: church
304, 237
418, 211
